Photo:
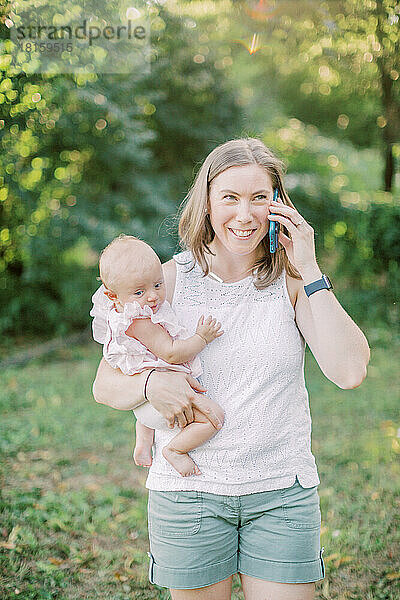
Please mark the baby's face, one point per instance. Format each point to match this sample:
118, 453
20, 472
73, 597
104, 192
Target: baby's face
143, 285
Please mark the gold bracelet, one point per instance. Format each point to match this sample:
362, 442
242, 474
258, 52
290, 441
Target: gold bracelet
202, 337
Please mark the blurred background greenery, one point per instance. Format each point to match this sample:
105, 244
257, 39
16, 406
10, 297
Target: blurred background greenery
85, 157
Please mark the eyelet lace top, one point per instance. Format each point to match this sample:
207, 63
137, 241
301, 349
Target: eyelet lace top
255, 371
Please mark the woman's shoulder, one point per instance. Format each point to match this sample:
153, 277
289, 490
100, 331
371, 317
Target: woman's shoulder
169, 270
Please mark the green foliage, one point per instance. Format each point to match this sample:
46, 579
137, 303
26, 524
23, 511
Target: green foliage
335, 65
85, 158
356, 232
370, 253
58, 188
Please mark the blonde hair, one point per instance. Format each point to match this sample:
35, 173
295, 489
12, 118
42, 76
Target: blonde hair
195, 230
114, 261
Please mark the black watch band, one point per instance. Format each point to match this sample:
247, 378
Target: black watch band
321, 284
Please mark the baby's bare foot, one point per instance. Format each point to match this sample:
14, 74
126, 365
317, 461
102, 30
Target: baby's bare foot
142, 456
181, 462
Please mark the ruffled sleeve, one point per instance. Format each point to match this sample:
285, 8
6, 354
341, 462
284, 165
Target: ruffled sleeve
166, 317
120, 321
100, 309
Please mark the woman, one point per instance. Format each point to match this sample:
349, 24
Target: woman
255, 508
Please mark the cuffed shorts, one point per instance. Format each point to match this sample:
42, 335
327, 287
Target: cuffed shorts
198, 538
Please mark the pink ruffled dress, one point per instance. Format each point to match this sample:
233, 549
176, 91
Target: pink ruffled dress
130, 355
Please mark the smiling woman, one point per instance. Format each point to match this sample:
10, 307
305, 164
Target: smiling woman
231, 195
239, 218
254, 506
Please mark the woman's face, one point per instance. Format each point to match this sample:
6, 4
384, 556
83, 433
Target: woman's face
239, 200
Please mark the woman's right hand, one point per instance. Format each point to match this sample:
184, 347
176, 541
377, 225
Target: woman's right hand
174, 394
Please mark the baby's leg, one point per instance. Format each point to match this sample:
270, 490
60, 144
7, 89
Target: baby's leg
144, 441
191, 436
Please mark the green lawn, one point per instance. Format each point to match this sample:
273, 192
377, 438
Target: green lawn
73, 523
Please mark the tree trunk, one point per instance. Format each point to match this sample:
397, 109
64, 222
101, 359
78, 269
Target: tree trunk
389, 168
391, 109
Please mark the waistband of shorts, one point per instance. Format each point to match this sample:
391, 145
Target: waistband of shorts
164, 483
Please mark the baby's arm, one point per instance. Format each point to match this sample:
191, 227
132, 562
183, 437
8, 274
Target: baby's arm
174, 352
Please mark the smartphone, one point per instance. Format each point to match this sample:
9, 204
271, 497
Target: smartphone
274, 228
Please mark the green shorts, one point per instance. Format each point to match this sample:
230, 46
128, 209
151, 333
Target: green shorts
197, 538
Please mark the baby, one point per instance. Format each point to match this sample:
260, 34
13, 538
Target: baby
139, 330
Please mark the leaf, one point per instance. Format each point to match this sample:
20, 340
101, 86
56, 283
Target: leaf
337, 559
14, 533
45, 567
342, 560
395, 446
331, 557
393, 576
57, 524
56, 561
7, 545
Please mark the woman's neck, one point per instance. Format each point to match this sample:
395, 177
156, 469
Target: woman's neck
230, 267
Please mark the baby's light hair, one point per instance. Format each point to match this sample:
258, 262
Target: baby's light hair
111, 255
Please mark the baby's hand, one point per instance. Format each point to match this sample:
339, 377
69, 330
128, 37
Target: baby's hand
208, 329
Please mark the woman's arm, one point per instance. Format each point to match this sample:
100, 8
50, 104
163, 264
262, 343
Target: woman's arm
172, 393
113, 388
339, 346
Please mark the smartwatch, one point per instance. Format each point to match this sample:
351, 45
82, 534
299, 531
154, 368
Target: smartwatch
321, 284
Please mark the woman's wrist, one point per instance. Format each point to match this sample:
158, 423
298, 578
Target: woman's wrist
310, 274
145, 386
113, 388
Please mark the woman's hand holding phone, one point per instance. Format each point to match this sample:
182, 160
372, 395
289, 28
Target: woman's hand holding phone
299, 243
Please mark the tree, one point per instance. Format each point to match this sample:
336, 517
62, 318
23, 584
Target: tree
334, 64
85, 157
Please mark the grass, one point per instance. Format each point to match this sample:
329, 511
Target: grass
73, 506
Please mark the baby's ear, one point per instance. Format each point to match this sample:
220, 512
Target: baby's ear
110, 295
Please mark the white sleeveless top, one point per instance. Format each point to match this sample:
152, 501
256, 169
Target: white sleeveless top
255, 371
